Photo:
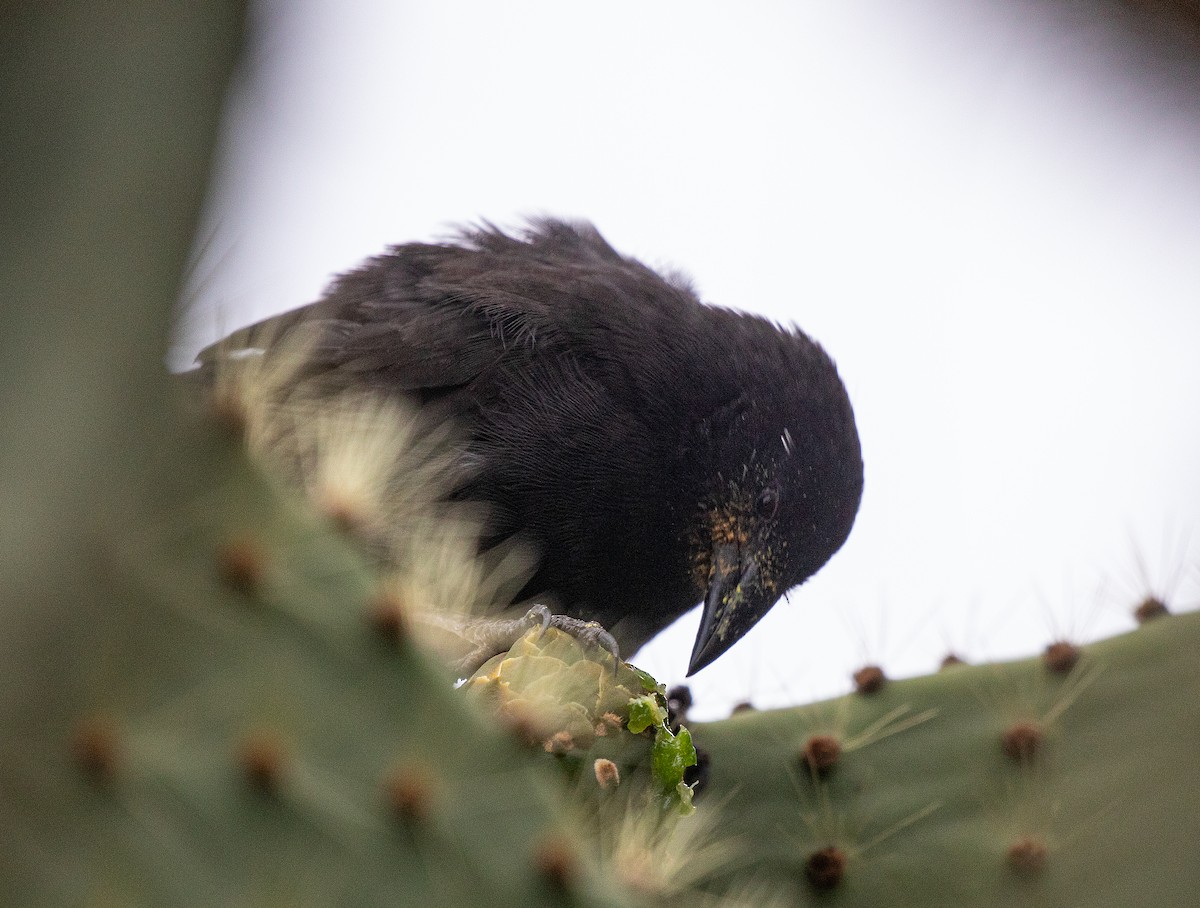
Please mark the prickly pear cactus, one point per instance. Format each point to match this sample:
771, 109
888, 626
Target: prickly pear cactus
199, 699
210, 696
1068, 780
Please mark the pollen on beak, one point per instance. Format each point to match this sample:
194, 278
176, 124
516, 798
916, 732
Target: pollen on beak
731, 605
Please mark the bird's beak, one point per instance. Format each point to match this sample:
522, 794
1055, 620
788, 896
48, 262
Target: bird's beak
731, 607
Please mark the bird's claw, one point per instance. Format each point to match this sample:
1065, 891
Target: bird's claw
539, 614
494, 636
589, 633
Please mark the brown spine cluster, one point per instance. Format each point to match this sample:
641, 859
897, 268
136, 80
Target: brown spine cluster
1060, 657
409, 791
95, 745
242, 565
1027, 856
821, 753
869, 679
1023, 741
825, 867
555, 861
261, 758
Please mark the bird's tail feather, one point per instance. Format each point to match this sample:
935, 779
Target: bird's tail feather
378, 466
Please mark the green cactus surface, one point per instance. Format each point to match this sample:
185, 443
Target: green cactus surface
1028, 783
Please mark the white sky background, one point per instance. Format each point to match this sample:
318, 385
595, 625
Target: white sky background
988, 213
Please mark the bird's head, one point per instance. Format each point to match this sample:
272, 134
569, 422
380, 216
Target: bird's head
783, 480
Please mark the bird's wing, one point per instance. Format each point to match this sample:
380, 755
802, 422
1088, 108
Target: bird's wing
386, 323
429, 318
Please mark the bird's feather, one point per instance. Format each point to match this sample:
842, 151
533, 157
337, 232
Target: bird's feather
608, 408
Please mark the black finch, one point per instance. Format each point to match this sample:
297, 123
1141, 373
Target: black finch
657, 451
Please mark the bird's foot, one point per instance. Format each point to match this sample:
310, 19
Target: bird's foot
589, 633
493, 636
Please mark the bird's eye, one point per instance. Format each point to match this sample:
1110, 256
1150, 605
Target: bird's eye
768, 501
